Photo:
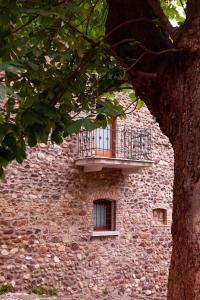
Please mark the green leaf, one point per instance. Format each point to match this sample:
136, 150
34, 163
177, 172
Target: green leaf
1, 172
5, 129
126, 87
109, 95
101, 121
6, 155
89, 124
9, 140
132, 97
12, 67
74, 126
33, 66
32, 139
5, 91
30, 117
140, 104
56, 137
20, 152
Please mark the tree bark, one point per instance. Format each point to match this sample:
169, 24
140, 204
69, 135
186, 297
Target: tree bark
174, 99
184, 278
181, 124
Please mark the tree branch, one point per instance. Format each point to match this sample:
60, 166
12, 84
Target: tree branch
147, 51
91, 12
25, 24
193, 10
166, 25
73, 75
183, 6
110, 51
35, 17
129, 22
85, 37
148, 87
127, 108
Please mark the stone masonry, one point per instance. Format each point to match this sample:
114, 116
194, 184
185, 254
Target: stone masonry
46, 223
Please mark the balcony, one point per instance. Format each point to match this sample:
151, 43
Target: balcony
116, 148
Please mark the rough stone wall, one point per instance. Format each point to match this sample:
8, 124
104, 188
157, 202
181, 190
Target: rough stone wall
46, 207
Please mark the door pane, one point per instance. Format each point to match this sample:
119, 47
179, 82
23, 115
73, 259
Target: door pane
103, 138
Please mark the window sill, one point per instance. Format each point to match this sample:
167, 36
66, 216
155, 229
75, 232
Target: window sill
105, 233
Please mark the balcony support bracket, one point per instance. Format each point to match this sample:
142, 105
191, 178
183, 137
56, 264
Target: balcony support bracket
128, 171
92, 168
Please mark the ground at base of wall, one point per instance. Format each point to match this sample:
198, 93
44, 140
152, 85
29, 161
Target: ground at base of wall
19, 296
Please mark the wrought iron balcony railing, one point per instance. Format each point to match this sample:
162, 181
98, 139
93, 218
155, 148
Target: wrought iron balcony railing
122, 143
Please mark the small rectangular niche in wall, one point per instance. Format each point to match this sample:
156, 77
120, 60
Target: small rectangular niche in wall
159, 216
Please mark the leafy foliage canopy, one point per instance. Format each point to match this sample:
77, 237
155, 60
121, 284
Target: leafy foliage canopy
57, 73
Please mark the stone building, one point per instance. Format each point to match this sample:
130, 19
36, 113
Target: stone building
91, 225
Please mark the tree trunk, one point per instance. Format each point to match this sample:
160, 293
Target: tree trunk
184, 277
179, 120
174, 99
